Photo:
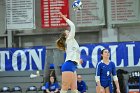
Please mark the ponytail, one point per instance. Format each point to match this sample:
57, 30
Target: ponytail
60, 43
101, 57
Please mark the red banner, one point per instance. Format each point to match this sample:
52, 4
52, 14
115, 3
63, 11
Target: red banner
50, 10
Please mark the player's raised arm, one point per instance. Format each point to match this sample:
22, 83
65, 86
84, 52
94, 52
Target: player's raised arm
63, 16
71, 24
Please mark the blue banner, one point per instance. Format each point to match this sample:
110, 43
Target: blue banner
17, 59
123, 54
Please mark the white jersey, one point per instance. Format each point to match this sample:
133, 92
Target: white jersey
72, 50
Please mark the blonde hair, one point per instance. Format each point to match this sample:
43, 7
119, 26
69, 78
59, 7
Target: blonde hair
60, 43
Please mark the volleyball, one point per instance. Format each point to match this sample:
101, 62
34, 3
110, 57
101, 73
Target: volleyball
77, 5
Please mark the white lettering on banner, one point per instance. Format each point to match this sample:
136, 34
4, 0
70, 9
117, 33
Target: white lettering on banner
127, 59
113, 53
36, 58
138, 63
20, 53
13, 59
87, 53
94, 55
130, 54
3, 55
122, 62
130, 48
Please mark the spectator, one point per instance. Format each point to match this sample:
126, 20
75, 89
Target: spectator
52, 86
81, 85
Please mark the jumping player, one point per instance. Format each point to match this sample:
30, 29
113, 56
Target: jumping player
68, 43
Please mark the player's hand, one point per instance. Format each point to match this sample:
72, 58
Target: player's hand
101, 89
61, 14
118, 90
81, 61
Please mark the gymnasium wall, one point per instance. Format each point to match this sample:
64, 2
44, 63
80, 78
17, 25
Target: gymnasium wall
47, 37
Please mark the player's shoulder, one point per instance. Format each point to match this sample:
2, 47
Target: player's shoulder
100, 63
112, 63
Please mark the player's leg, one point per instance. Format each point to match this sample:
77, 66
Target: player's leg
74, 83
66, 81
100, 89
68, 69
107, 90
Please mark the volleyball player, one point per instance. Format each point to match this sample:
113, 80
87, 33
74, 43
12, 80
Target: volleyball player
68, 43
104, 69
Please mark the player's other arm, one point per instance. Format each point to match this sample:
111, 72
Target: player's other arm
115, 78
97, 76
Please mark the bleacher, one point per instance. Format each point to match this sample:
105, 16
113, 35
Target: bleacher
22, 79
88, 75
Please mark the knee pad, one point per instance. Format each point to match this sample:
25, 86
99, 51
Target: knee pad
63, 91
74, 91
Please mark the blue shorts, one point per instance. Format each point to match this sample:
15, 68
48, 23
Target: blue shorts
69, 66
105, 84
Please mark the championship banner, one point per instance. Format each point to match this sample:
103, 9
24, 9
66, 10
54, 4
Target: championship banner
20, 14
91, 14
123, 11
123, 54
16, 59
50, 10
